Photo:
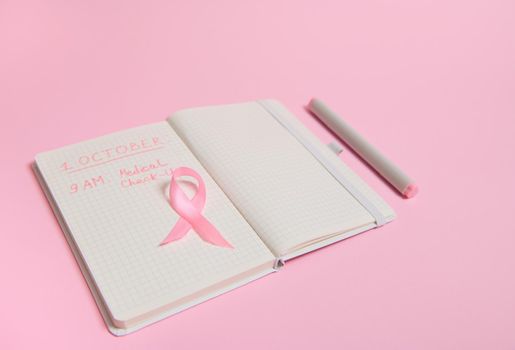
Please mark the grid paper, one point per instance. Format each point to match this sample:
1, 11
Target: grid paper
287, 196
118, 230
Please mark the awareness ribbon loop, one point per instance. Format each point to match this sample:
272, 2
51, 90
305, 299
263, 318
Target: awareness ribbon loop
190, 211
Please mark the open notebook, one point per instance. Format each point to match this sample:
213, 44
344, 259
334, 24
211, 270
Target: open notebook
273, 190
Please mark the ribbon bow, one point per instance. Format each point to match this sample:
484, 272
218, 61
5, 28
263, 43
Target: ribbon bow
190, 211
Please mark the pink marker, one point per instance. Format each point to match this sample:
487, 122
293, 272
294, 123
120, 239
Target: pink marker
369, 153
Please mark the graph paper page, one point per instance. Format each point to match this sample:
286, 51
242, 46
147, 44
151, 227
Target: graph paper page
112, 194
283, 191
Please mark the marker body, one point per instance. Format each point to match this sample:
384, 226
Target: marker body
392, 173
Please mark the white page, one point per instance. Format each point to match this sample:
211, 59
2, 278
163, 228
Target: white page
118, 228
283, 191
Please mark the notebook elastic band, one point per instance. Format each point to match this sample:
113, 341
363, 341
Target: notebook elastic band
362, 199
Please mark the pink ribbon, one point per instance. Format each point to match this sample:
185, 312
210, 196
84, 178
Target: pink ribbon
190, 211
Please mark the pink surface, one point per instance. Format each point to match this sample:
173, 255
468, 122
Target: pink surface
432, 83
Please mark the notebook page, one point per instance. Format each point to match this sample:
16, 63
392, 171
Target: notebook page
112, 194
287, 196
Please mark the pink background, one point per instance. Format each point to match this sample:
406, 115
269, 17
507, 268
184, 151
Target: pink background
432, 83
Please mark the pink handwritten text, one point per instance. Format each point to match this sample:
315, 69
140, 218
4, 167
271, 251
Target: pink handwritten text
110, 154
87, 184
141, 174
